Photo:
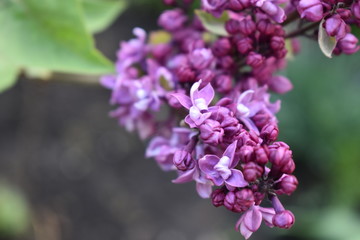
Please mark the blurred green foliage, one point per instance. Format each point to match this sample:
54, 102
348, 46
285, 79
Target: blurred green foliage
53, 35
14, 212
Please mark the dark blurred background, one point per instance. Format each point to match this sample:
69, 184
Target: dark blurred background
68, 171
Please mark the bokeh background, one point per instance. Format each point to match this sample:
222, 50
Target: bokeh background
68, 171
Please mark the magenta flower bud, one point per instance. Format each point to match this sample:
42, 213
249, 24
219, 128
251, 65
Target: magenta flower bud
213, 5
169, 2
311, 10
284, 219
185, 74
247, 26
183, 160
246, 154
247, 138
201, 58
254, 59
355, 9
221, 47
232, 26
238, 5
206, 76
211, 132
261, 156
172, 20
261, 119
258, 197
160, 51
344, 13
289, 167
280, 84
252, 171
244, 45
223, 83
335, 26
277, 43
239, 201
218, 197
275, 12
279, 154
265, 27
269, 132
286, 185
227, 62
348, 44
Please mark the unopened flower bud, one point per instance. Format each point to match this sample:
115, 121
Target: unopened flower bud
252, 171
201, 58
355, 8
247, 26
246, 154
211, 132
244, 45
238, 5
280, 84
232, 26
217, 197
223, 83
261, 119
269, 132
221, 47
172, 20
312, 10
348, 44
277, 43
227, 62
254, 59
239, 201
344, 13
183, 160
185, 74
284, 219
206, 76
265, 27
286, 185
279, 154
335, 26
261, 156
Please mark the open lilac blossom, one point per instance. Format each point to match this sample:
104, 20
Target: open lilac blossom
220, 170
251, 220
213, 76
197, 103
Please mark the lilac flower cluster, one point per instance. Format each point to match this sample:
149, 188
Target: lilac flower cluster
204, 97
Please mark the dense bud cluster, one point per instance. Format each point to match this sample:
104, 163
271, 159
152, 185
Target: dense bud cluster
220, 129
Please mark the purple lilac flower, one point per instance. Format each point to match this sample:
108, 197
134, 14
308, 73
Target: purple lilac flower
220, 129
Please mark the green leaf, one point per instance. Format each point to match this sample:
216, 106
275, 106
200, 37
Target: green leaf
14, 212
8, 75
49, 34
213, 24
327, 43
99, 14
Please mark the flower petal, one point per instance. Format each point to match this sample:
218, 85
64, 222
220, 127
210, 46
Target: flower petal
230, 153
207, 163
186, 176
204, 189
183, 99
236, 179
268, 214
253, 219
207, 93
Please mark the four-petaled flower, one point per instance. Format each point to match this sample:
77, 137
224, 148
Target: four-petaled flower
197, 103
222, 170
